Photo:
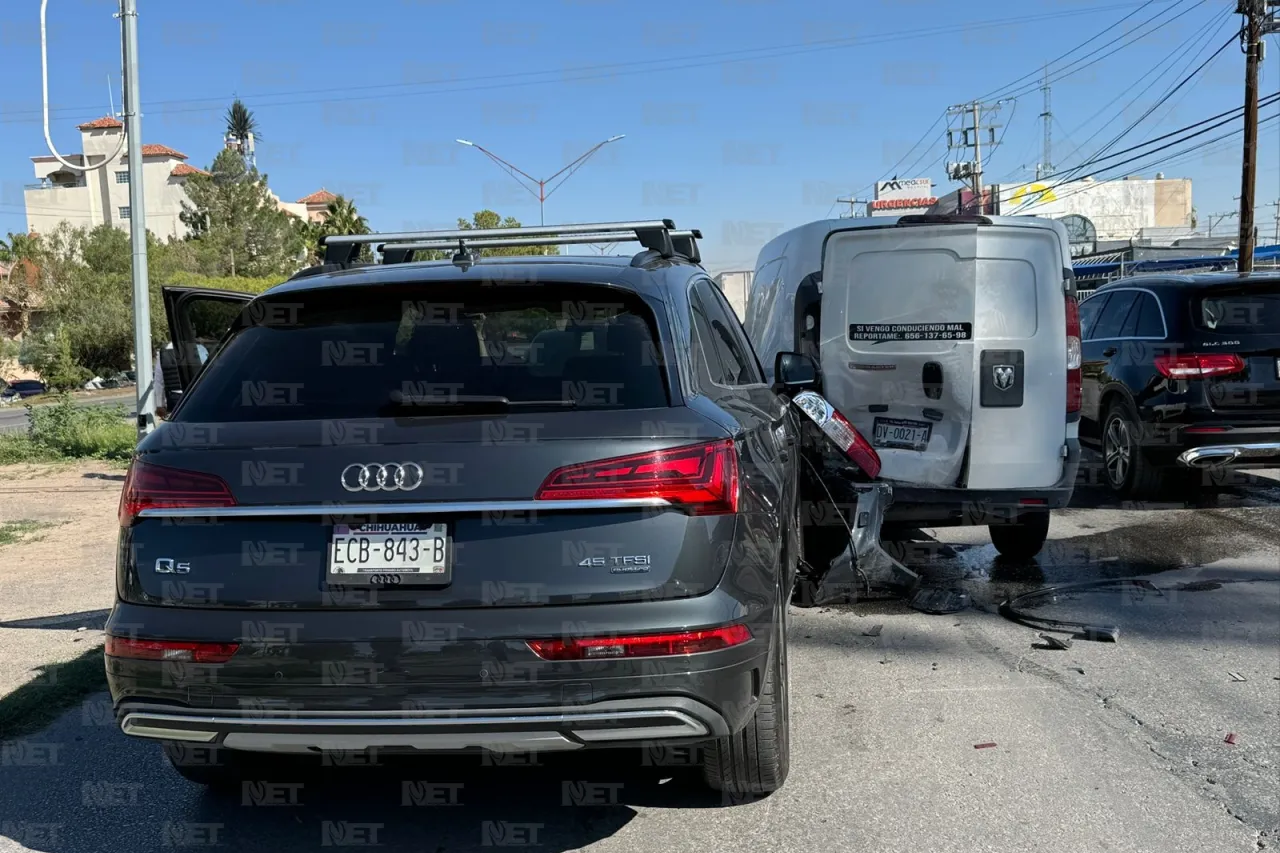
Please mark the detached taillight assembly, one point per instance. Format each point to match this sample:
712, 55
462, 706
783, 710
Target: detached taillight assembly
701, 479
179, 651
1199, 366
843, 434
148, 486
1075, 393
641, 645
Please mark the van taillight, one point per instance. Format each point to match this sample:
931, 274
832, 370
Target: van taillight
169, 650
837, 428
1074, 394
1197, 366
149, 486
700, 478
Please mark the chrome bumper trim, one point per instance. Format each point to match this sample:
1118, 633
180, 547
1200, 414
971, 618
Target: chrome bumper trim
1224, 454
397, 508
493, 730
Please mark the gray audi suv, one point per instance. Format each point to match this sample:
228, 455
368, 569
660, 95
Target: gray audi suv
492, 504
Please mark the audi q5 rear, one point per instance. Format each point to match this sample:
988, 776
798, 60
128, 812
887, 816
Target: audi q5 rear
420, 508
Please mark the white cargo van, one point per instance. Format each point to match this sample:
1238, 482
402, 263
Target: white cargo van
952, 342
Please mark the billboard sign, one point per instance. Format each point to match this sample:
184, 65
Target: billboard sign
900, 197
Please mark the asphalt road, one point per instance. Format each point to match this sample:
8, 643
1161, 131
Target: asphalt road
1101, 747
13, 417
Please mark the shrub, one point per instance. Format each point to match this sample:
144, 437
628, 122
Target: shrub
78, 432
50, 354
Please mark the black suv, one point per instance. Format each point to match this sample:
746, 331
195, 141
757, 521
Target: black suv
1181, 378
496, 504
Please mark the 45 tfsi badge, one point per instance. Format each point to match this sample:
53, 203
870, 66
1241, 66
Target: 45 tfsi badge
620, 565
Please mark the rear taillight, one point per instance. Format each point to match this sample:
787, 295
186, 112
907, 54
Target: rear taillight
1074, 393
700, 478
836, 427
1199, 366
642, 645
149, 486
170, 650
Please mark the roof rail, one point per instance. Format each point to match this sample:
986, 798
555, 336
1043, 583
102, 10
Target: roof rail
397, 247
684, 243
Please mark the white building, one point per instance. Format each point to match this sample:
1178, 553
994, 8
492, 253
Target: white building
102, 196
1119, 209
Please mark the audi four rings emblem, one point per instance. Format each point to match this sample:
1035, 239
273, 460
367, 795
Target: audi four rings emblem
391, 477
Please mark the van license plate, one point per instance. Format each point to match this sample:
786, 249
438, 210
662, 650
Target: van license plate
389, 554
902, 434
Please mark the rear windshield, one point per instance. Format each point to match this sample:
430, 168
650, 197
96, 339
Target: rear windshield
1237, 313
391, 352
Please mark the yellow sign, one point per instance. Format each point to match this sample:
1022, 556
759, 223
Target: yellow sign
1033, 193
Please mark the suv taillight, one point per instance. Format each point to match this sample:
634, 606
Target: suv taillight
1199, 366
641, 645
701, 478
149, 486
1074, 394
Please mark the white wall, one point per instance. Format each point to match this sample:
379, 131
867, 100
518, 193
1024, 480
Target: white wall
1118, 209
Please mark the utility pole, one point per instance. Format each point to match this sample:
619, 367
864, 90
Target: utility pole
970, 136
138, 223
851, 202
1257, 24
1046, 157
1215, 218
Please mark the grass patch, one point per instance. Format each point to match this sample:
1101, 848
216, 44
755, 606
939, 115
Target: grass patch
17, 531
17, 447
67, 431
56, 688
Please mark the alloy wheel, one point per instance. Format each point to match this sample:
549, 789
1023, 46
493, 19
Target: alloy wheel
1118, 451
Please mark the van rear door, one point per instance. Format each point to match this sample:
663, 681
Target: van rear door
946, 344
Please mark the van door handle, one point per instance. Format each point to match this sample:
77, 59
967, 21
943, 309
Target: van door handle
1110, 351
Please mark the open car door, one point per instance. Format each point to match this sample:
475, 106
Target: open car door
199, 318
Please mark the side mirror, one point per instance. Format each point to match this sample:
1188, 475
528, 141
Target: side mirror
794, 372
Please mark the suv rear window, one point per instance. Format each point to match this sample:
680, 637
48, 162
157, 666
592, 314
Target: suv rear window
1237, 313
394, 352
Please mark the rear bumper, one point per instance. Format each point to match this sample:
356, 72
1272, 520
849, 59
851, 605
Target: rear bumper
937, 507
648, 720
437, 680
1219, 455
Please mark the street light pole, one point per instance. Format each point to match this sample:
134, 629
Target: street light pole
138, 224
540, 183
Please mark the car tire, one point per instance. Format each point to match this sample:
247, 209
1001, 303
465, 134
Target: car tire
755, 761
213, 767
1129, 469
1024, 539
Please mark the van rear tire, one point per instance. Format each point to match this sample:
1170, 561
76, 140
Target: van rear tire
1023, 540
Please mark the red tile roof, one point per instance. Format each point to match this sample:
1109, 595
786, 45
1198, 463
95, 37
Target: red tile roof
320, 196
183, 170
104, 123
161, 151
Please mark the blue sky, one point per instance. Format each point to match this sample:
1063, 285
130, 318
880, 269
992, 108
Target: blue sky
741, 116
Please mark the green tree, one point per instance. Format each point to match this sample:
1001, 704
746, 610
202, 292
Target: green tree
20, 247
341, 217
237, 225
482, 219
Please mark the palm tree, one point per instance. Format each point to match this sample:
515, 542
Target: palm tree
19, 247
241, 123
341, 217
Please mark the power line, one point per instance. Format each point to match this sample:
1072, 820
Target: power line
1129, 38
1069, 174
1156, 69
578, 73
1275, 98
